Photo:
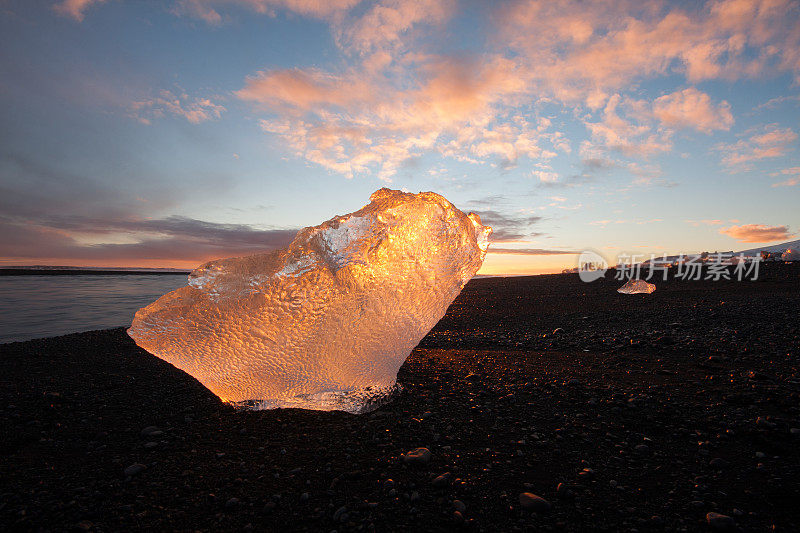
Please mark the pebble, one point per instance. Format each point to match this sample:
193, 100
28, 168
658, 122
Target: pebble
441, 481
534, 503
341, 514
764, 423
134, 469
717, 462
417, 456
459, 506
232, 504
720, 522
151, 431
562, 491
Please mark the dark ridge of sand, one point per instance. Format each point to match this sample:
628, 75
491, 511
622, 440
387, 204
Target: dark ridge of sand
650, 411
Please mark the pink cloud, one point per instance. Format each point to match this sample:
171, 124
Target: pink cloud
74, 8
791, 182
585, 51
706, 222
757, 233
617, 133
694, 109
209, 10
773, 142
385, 22
193, 109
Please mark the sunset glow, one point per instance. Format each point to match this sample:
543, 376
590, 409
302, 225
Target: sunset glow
167, 134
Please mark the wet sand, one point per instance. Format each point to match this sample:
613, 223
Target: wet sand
640, 412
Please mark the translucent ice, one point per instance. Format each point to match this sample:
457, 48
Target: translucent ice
637, 286
327, 322
791, 255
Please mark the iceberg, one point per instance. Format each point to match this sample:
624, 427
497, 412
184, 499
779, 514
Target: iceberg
637, 286
326, 322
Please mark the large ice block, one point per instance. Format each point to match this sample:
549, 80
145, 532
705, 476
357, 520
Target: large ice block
327, 322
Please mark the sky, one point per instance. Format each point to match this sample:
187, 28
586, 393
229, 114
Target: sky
169, 133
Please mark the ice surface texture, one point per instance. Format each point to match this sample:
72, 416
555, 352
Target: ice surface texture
327, 322
791, 255
637, 286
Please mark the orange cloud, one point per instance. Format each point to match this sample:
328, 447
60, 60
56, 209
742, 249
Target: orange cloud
530, 251
360, 120
305, 90
757, 233
74, 8
394, 100
694, 109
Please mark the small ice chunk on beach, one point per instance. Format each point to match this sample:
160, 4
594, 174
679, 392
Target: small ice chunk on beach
791, 255
637, 286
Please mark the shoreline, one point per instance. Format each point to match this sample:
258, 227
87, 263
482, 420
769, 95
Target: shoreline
84, 272
624, 412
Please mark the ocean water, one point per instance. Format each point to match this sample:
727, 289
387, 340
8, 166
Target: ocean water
46, 306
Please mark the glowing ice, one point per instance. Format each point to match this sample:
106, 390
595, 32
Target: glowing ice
637, 286
327, 322
790, 255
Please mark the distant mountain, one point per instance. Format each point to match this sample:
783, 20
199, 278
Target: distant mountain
752, 252
794, 245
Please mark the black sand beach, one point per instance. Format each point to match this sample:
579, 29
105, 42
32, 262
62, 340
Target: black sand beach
642, 412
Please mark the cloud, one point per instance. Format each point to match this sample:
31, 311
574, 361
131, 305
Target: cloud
631, 139
394, 99
172, 238
545, 176
74, 8
585, 51
770, 142
757, 233
506, 227
706, 222
209, 10
193, 109
776, 102
530, 251
384, 24
48, 213
358, 121
791, 182
693, 109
